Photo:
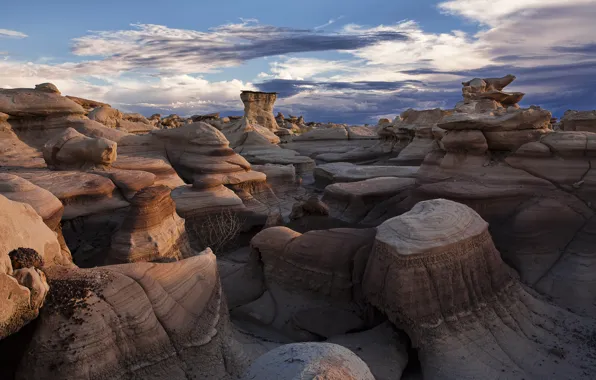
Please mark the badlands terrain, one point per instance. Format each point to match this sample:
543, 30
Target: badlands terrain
443, 244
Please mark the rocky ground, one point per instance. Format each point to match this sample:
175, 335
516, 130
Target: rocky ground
443, 244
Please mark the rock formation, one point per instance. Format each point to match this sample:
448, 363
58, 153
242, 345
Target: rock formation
437, 274
346, 172
71, 149
309, 360
151, 231
581, 121
258, 108
171, 317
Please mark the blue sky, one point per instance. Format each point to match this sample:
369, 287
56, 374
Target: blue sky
330, 60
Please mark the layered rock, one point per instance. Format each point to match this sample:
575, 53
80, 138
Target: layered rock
151, 231
71, 149
369, 200
43, 202
113, 118
338, 172
27, 248
258, 108
581, 121
172, 318
417, 127
436, 273
24, 102
309, 360
487, 109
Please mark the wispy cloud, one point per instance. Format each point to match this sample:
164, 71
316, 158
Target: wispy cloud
156, 47
330, 22
12, 34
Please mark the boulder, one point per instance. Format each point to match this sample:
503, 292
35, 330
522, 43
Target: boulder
309, 360
71, 149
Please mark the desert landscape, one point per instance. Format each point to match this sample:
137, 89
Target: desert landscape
452, 243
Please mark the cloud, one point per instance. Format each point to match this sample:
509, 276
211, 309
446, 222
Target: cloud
11, 34
330, 22
380, 70
157, 47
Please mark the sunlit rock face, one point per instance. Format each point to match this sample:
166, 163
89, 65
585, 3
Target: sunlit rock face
258, 108
28, 247
171, 317
151, 231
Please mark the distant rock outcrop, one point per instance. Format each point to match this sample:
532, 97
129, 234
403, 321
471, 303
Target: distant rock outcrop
258, 108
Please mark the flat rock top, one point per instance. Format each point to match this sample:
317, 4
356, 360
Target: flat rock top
23, 102
371, 187
339, 170
430, 224
67, 184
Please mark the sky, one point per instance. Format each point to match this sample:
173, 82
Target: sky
348, 61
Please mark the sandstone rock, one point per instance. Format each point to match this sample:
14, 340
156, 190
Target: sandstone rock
22, 227
151, 231
199, 148
324, 134
22, 294
81, 193
531, 118
172, 318
71, 149
581, 121
312, 206
106, 115
472, 142
319, 262
22, 102
47, 87
87, 104
258, 108
327, 174
309, 360
43, 202
436, 273
353, 201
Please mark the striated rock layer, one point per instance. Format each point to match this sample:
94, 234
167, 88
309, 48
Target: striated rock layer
436, 273
151, 231
138, 320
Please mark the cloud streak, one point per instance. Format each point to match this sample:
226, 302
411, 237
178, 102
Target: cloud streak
11, 34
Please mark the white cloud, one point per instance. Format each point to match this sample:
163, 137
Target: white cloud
12, 33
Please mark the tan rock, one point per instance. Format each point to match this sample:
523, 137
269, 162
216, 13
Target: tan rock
22, 102
43, 202
172, 318
70, 149
151, 231
106, 115
309, 360
258, 108
327, 174
81, 193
